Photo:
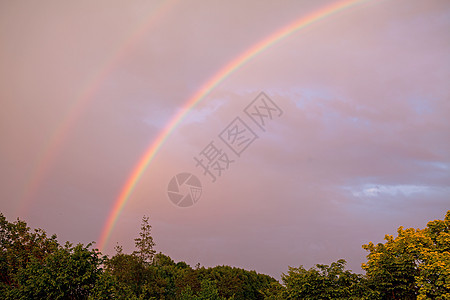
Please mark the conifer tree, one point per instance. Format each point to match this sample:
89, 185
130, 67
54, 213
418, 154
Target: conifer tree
144, 243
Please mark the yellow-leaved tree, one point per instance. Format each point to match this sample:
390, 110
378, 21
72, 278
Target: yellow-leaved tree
413, 265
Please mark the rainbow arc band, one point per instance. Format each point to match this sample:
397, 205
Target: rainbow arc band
200, 94
49, 153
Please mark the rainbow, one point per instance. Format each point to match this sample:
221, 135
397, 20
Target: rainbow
53, 146
207, 87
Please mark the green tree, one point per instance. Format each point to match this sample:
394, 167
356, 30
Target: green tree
323, 282
35, 266
144, 243
71, 272
275, 291
237, 283
208, 291
128, 271
18, 246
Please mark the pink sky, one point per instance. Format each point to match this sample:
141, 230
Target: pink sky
363, 145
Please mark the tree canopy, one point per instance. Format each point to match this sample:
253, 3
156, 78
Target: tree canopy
415, 264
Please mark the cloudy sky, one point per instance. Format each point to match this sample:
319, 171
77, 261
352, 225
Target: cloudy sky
362, 145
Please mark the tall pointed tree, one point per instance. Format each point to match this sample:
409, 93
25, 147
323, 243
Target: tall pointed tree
144, 243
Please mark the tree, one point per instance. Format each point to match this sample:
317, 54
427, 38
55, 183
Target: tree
434, 277
128, 270
35, 266
237, 283
71, 272
144, 243
413, 265
208, 291
18, 246
323, 282
275, 291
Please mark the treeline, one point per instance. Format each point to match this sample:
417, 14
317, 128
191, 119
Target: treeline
413, 265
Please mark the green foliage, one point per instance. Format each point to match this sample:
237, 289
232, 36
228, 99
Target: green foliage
128, 270
208, 291
34, 266
323, 282
144, 243
68, 273
18, 246
413, 265
274, 291
237, 283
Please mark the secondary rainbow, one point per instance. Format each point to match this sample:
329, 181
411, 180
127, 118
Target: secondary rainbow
209, 85
50, 151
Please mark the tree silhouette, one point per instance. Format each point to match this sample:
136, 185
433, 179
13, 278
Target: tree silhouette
144, 243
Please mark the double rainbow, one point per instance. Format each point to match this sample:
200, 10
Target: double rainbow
209, 85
